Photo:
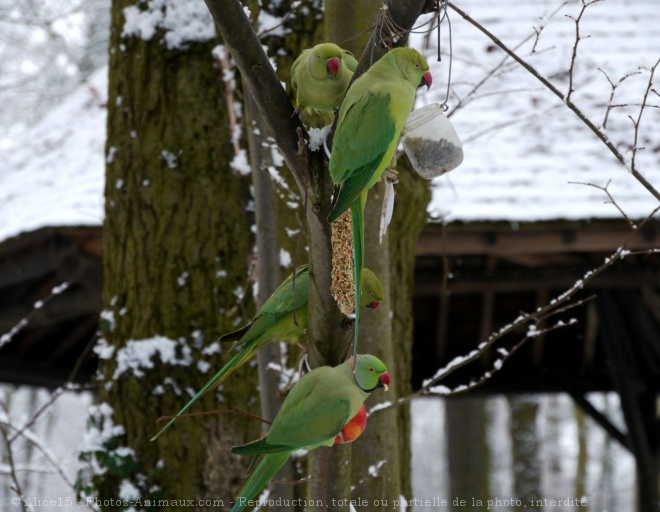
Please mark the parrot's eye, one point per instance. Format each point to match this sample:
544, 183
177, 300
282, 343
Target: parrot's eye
417, 65
372, 294
318, 57
371, 370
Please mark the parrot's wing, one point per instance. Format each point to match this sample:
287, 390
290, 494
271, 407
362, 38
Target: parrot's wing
235, 335
353, 162
259, 447
295, 68
309, 424
289, 296
315, 410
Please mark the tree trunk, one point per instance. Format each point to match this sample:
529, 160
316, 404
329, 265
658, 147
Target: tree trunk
175, 241
525, 447
176, 237
467, 451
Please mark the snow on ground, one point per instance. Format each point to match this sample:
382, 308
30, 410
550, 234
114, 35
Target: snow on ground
609, 476
52, 452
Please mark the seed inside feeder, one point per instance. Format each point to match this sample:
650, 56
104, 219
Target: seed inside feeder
431, 142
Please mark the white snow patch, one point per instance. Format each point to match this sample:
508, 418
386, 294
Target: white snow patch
203, 366
138, 355
317, 137
183, 21
213, 348
240, 163
285, 258
103, 349
373, 469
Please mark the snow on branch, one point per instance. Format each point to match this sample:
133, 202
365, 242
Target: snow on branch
559, 304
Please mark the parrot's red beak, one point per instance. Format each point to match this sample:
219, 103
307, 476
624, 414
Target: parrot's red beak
373, 305
384, 381
427, 80
333, 65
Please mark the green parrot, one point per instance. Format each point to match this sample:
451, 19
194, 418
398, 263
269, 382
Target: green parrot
370, 122
313, 413
275, 322
319, 79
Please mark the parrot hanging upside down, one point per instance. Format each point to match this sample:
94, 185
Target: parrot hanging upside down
275, 322
312, 415
319, 79
370, 122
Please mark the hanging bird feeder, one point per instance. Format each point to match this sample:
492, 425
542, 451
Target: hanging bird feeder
431, 142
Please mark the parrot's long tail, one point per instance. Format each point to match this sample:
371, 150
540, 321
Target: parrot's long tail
357, 216
235, 362
266, 469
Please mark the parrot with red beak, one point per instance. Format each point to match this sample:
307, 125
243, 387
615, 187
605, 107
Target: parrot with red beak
319, 80
369, 125
319, 405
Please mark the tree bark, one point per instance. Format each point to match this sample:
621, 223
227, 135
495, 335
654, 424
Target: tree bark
176, 236
169, 236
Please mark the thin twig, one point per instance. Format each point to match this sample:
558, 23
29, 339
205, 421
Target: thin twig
283, 20
636, 123
221, 411
16, 485
585, 4
611, 199
613, 88
56, 290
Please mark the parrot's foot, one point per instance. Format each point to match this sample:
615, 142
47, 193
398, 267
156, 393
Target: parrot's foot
297, 111
391, 175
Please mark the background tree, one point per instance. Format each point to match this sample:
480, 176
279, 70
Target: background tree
176, 235
174, 261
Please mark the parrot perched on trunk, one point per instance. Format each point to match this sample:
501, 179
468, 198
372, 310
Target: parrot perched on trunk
275, 322
319, 79
370, 122
312, 415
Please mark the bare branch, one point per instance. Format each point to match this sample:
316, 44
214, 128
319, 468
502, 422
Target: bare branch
613, 87
224, 61
538, 31
557, 305
8, 336
585, 4
283, 21
9, 454
262, 81
637, 122
601, 135
611, 199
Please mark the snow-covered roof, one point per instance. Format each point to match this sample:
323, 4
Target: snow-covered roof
53, 174
522, 146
